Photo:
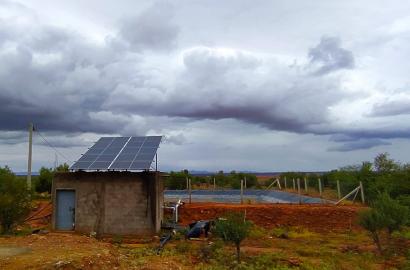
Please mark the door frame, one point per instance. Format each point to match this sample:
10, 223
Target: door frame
55, 207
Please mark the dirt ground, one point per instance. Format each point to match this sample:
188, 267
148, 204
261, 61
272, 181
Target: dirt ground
56, 251
318, 218
317, 237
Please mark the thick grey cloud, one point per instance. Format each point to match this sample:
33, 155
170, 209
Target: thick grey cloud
165, 69
358, 144
329, 56
218, 84
153, 29
391, 108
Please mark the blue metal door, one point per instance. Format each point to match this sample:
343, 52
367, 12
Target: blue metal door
65, 210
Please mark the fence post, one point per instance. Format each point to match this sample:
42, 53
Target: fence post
338, 189
190, 190
362, 192
294, 187
306, 187
241, 191
286, 184
320, 187
300, 198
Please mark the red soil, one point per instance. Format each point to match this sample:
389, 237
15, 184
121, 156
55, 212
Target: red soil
319, 218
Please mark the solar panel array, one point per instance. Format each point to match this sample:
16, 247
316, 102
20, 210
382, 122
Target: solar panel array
120, 153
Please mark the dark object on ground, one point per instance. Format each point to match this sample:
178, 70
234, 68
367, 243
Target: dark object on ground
40, 231
162, 241
198, 228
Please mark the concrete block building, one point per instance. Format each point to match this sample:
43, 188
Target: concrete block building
114, 203
111, 190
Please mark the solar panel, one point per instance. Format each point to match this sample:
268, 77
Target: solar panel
120, 153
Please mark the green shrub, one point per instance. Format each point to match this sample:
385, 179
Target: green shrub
15, 200
234, 228
373, 222
394, 214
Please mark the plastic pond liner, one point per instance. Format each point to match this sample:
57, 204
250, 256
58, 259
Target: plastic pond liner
234, 196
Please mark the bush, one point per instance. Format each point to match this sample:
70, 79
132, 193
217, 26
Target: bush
45, 179
394, 214
372, 221
233, 229
15, 200
386, 214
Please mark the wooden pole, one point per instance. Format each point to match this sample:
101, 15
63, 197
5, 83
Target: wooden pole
286, 184
187, 183
214, 184
190, 190
294, 187
245, 183
30, 153
306, 186
300, 197
339, 195
362, 192
241, 191
319, 182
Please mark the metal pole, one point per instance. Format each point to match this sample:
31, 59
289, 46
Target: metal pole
156, 162
362, 192
294, 187
338, 190
300, 197
30, 152
306, 187
320, 186
241, 191
190, 190
286, 184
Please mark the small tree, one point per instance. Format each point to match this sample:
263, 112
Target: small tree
234, 229
44, 180
394, 214
372, 221
15, 201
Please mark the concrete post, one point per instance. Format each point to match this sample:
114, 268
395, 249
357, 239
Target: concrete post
30, 152
362, 192
300, 197
306, 186
241, 191
190, 190
319, 182
339, 195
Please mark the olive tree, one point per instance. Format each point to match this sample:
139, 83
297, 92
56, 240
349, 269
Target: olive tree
234, 228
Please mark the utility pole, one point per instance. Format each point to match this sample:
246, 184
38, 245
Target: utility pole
30, 152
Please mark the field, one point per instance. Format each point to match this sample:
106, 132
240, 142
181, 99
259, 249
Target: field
284, 237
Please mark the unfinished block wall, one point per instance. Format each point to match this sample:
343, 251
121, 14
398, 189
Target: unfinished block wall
116, 203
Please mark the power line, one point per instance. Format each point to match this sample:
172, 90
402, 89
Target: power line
50, 145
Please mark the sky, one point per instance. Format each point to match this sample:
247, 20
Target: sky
231, 85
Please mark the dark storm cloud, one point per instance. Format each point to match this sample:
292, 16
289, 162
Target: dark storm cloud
329, 56
359, 144
153, 29
218, 84
391, 108
64, 83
